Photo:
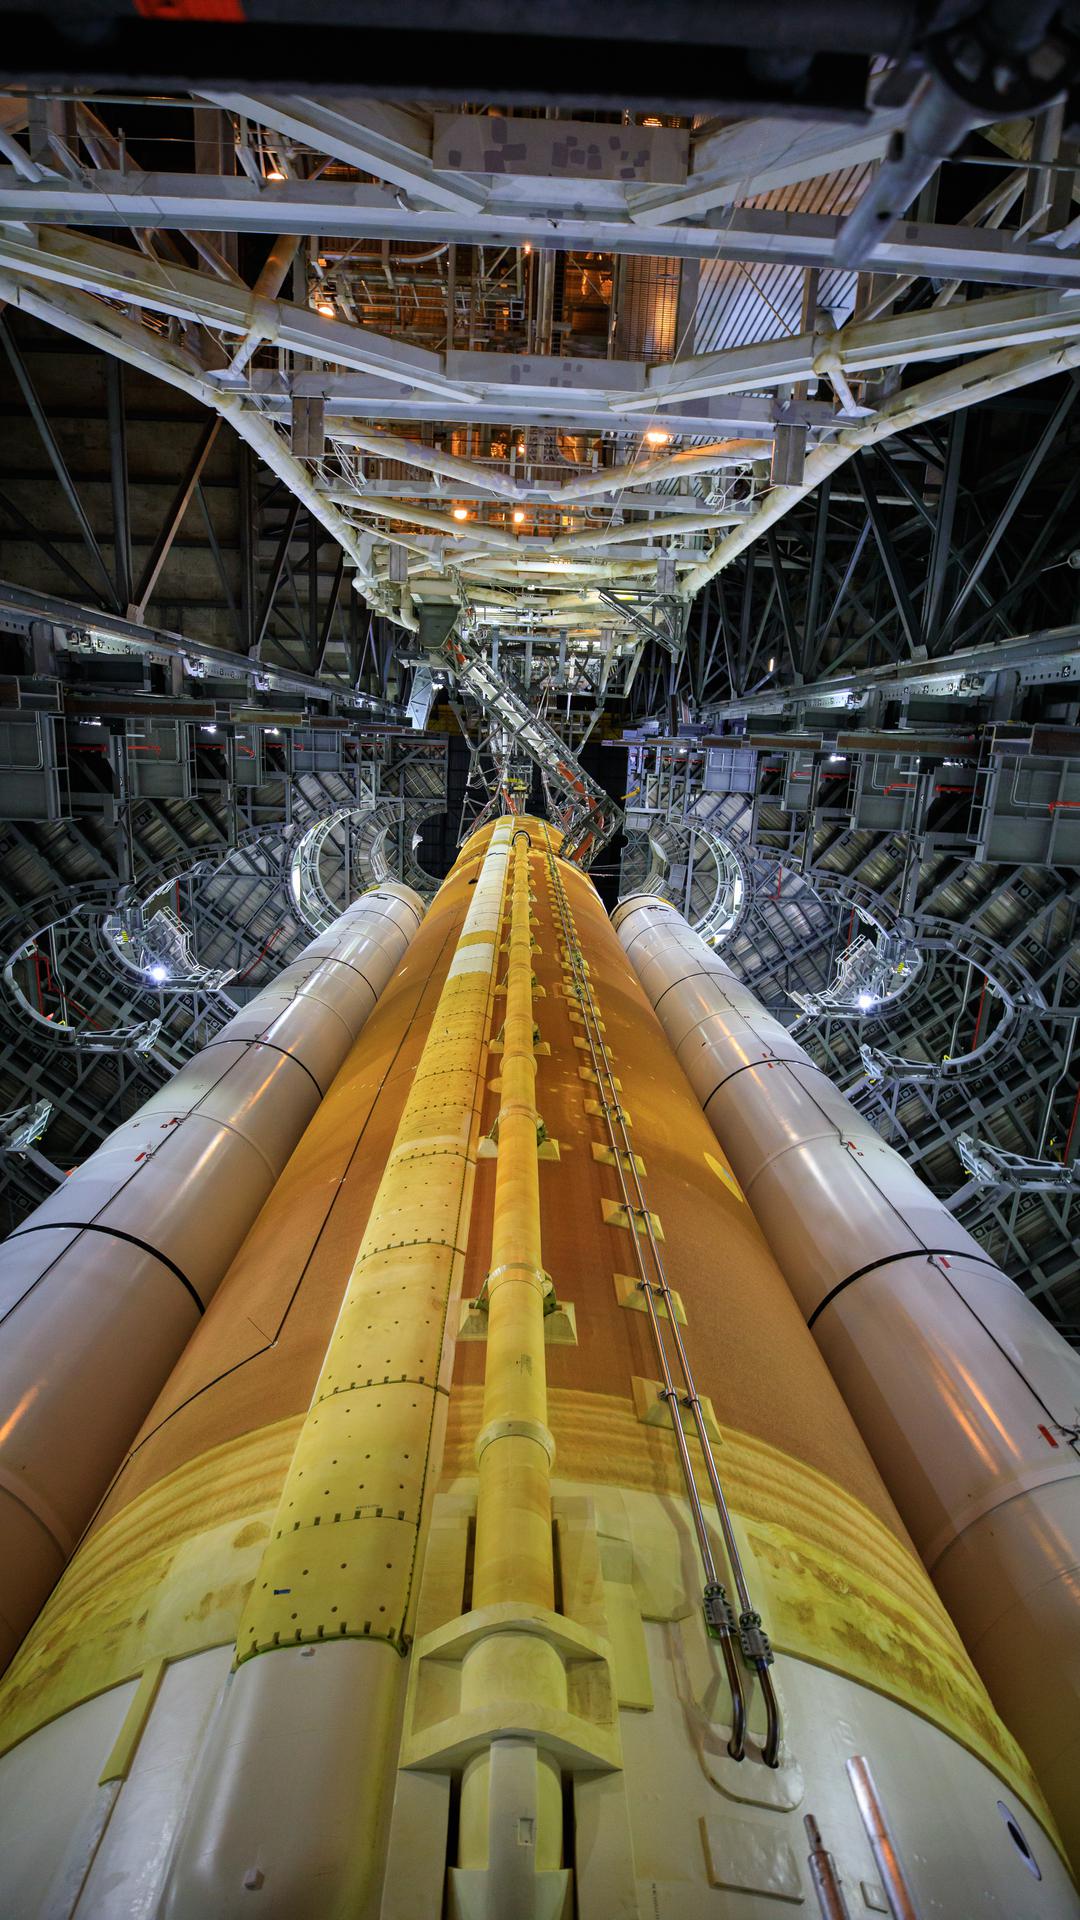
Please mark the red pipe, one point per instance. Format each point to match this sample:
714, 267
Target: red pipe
1072, 1127
978, 1018
265, 948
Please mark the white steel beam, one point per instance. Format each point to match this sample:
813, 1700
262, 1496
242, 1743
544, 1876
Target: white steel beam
111, 332
99, 266
358, 211
972, 326
486, 478
359, 397
393, 143
758, 156
946, 393
75, 260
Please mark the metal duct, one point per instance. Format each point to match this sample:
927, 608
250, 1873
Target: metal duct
101, 1287
965, 1395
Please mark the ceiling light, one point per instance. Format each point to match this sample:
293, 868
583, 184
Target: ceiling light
864, 1001
460, 513
326, 308
526, 248
275, 174
209, 729
652, 120
772, 663
158, 973
657, 437
518, 516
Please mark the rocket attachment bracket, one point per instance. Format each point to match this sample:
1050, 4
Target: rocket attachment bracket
754, 1641
498, 1045
719, 1613
546, 1147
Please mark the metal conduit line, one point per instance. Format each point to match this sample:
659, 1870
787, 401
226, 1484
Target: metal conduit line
882, 1845
830, 1893
718, 1620
718, 1613
722, 1626
755, 1644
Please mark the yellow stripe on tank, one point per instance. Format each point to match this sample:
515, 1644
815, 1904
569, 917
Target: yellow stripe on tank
169, 1576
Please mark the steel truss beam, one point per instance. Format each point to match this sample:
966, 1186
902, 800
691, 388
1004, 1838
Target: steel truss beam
235, 204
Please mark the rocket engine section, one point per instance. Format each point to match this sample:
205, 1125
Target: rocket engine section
499, 1545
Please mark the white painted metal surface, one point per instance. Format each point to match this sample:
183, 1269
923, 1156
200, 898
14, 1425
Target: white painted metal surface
732, 1847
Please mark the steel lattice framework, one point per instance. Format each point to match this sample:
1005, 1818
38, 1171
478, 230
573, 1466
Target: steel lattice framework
354, 484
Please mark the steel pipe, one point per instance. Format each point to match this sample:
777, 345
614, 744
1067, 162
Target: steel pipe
513, 1513
721, 1623
882, 1845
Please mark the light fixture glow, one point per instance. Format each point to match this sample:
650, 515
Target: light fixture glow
520, 447
864, 1001
652, 120
526, 248
460, 513
518, 516
326, 308
657, 437
275, 174
209, 729
159, 973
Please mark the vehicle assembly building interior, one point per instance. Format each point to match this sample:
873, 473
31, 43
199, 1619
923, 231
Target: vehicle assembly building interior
539, 960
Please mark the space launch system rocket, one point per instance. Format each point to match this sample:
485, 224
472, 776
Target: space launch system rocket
500, 1545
